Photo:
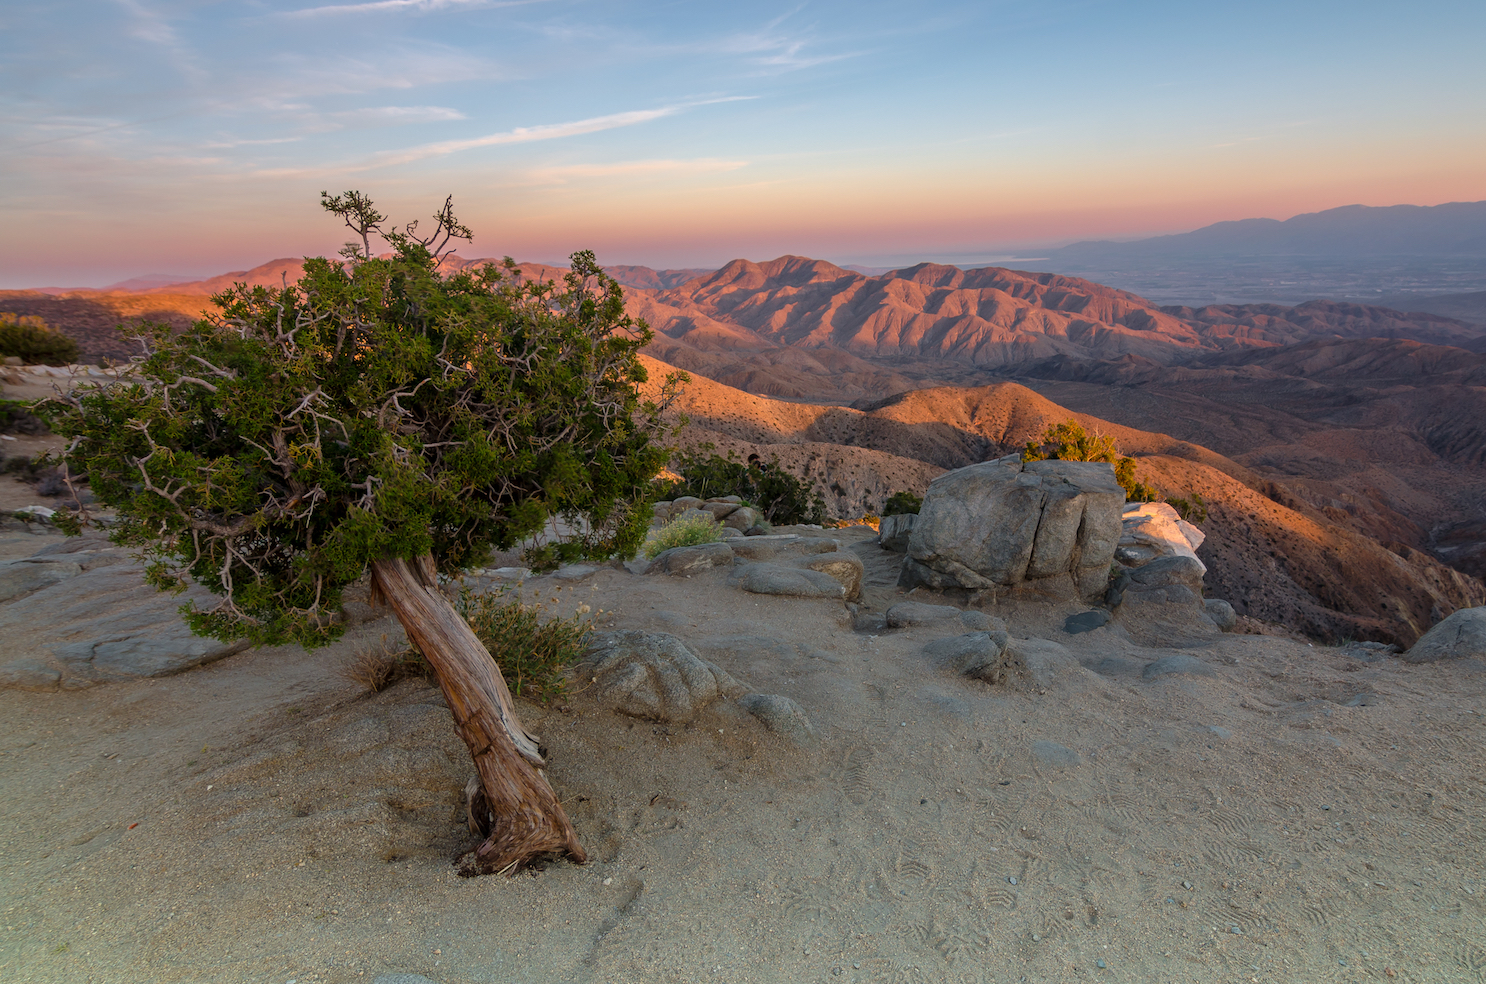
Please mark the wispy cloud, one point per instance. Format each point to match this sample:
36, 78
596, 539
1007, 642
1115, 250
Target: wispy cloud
546, 131
699, 166
149, 26
519, 135
412, 6
394, 115
229, 144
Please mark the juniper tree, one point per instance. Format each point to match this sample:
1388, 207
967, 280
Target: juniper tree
380, 417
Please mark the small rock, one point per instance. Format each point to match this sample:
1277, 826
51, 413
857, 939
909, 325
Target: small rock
893, 532
772, 579
572, 573
1221, 613
844, 567
1179, 664
402, 979
719, 509
690, 560
782, 716
982, 655
906, 614
1086, 621
743, 519
1011, 880
653, 675
28, 674
1052, 753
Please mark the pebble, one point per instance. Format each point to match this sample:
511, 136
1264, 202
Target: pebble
608, 881
1326, 807
1187, 885
1036, 938
1100, 964
1011, 880
1235, 930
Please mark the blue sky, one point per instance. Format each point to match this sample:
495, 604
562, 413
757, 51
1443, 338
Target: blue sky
142, 136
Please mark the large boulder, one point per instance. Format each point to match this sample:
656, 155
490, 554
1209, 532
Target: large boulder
1005, 522
1462, 635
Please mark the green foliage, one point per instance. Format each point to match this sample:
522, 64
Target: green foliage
28, 338
1068, 441
900, 503
1191, 507
531, 651
783, 498
683, 532
376, 409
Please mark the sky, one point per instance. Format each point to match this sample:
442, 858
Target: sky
191, 137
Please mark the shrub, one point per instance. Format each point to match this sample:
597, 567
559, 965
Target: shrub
1192, 508
685, 532
382, 415
900, 503
28, 338
378, 667
783, 498
1068, 441
532, 651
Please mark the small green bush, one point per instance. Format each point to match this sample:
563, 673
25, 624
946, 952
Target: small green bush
532, 652
28, 338
783, 498
1191, 507
685, 532
900, 503
1068, 441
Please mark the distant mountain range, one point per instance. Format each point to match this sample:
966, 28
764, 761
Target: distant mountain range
1456, 229
1398, 256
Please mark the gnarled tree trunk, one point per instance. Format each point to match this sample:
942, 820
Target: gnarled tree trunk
525, 819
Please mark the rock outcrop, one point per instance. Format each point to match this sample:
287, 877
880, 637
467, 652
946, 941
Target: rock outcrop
1462, 635
652, 675
895, 531
1150, 530
1001, 524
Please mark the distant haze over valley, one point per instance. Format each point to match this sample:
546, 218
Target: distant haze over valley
1389, 255
1406, 257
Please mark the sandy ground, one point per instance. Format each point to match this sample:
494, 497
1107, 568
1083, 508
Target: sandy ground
1301, 814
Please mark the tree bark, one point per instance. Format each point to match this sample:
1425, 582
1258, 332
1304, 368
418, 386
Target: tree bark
525, 819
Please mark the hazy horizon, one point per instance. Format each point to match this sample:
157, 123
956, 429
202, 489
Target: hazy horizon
145, 136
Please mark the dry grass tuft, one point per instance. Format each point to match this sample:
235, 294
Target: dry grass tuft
375, 668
